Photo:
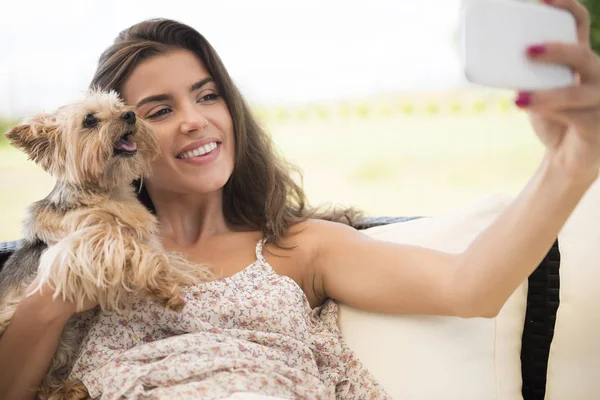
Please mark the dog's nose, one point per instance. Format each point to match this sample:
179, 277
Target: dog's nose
128, 117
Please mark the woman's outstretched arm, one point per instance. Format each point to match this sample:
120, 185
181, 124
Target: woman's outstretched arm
395, 278
380, 276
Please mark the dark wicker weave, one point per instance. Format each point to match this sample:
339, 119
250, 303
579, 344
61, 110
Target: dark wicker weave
542, 306
6, 249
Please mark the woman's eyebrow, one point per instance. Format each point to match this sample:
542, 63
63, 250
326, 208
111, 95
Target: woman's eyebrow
153, 98
201, 83
168, 96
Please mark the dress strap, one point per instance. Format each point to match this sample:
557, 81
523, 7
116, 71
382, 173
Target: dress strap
259, 250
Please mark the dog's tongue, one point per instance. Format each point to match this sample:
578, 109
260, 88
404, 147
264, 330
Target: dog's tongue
125, 145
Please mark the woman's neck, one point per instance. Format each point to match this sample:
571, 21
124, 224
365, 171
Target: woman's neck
186, 219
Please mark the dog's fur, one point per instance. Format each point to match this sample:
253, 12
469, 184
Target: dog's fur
90, 238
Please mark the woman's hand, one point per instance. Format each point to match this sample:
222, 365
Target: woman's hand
45, 305
567, 120
29, 343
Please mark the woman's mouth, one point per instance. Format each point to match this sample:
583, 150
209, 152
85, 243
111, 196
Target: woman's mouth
199, 151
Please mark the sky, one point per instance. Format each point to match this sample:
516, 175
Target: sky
277, 51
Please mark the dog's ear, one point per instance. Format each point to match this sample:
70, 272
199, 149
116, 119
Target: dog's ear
37, 138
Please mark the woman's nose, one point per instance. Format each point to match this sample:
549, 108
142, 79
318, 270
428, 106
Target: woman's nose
193, 120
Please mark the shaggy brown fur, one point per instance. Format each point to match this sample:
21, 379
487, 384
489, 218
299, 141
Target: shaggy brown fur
91, 238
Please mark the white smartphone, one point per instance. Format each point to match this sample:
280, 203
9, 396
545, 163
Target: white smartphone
494, 36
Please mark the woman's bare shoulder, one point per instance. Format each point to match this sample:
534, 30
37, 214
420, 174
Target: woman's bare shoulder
298, 253
307, 236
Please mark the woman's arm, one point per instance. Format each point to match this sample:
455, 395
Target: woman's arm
385, 277
30, 341
393, 278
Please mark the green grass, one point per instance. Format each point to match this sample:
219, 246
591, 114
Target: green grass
21, 182
412, 164
392, 164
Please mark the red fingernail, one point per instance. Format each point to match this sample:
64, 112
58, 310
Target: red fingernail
547, 1
536, 50
523, 99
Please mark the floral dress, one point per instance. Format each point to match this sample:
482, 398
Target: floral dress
253, 332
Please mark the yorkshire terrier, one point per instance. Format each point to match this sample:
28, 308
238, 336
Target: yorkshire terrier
90, 238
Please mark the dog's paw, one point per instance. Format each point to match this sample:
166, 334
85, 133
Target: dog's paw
187, 273
171, 300
175, 304
70, 390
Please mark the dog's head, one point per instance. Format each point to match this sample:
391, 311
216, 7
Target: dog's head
95, 141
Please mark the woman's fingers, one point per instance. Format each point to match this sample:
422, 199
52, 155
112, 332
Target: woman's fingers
581, 14
563, 99
577, 56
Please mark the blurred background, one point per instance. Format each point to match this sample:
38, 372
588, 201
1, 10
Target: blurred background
365, 96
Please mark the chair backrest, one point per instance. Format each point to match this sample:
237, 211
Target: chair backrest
6, 249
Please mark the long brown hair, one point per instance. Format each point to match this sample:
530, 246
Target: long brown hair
261, 192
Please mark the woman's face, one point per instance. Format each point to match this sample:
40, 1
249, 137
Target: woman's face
177, 96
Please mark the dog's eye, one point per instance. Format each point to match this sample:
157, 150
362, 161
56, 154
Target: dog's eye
90, 121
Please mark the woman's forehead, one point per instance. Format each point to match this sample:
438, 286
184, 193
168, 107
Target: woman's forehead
167, 73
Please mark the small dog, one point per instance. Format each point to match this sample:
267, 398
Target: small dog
90, 238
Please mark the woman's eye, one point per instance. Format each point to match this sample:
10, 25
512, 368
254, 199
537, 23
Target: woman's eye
209, 97
159, 113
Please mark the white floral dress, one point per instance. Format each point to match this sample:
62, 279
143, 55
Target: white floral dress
253, 332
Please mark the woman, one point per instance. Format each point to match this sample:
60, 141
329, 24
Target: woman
219, 190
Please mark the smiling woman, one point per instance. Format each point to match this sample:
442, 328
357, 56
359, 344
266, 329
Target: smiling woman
156, 109
178, 97
180, 86
236, 208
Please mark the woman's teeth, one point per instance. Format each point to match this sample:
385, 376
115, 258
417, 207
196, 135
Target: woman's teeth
207, 148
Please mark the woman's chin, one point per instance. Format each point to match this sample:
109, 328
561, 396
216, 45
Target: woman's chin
200, 186
206, 185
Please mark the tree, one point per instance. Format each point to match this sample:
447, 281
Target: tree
593, 7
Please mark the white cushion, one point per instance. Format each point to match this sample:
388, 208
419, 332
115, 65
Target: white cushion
574, 363
432, 357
